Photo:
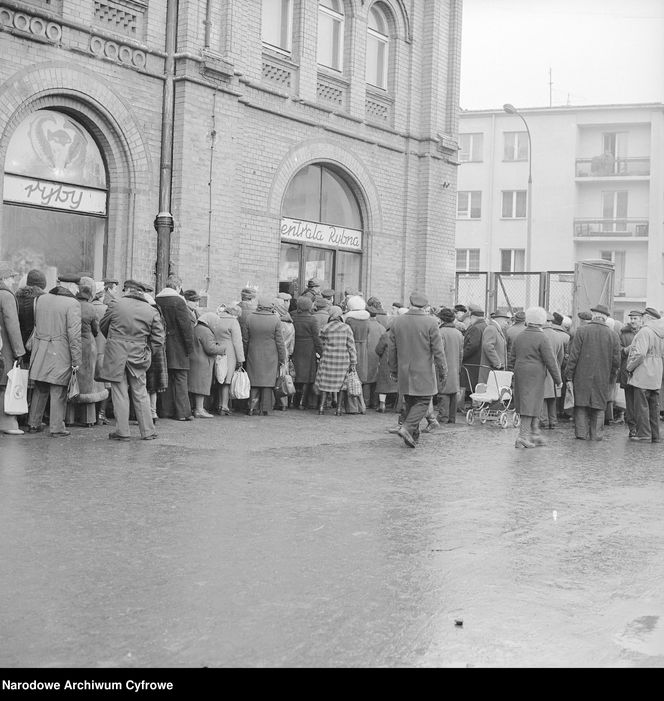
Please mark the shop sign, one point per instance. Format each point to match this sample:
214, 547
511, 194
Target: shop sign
42, 193
320, 234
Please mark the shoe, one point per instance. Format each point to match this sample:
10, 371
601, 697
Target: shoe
301, 407
552, 424
538, 440
117, 437
655, 440
431, 426
396, 429
202, 414
59, 434
102, 420
381, 408
338, 411
321, 411
640, 438
13, 432
150, 437
451, 421
35, 429
632, 432
186, 418
407, 438
523, 443
282, 408
225, 412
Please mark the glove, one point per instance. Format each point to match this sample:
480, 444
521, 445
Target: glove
238, 365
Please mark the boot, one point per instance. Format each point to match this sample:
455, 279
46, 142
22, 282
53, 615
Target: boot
523, 439
536, 436
253, 406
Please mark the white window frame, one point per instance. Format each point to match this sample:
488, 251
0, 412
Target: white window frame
473, 197
471, 256
618, 258
514, 204
384, 39
286, 25
469, 143
340, 19
517, 258
514, 141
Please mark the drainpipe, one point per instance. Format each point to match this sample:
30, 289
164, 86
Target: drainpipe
163, 222
208, 23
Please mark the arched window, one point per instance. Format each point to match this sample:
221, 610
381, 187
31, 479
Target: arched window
378, 46
321, 232
276, 24
331, 34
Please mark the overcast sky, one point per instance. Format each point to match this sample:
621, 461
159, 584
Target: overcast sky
599, 52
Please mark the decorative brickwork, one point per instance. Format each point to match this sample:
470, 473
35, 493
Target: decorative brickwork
118, 18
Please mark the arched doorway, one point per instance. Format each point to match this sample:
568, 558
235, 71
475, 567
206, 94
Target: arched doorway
321, 232
54, 198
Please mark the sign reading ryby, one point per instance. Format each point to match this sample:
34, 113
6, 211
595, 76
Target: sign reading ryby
40, 193
321, 234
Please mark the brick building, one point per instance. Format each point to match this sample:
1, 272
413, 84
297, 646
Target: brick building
281, 139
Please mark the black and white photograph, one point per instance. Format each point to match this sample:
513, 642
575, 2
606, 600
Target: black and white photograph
331, 337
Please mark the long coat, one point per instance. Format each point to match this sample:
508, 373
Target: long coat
12, 344
593, 364
338, 353
416, 353
307, 344
264, 347
91, 391
493, 355
376, 330
512, 332
132, 327
384, 384
626, 336
531, 356
360, 328
645, 357
559, 341
25, 300
472, 354
57, 340
179, 324
228, 333
453, 345
201, 366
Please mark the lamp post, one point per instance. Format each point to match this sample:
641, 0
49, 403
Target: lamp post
511, 109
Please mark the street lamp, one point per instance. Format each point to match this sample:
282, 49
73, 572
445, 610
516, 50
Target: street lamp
511, 109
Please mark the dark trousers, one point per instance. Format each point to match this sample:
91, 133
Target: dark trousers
447, 406
589, 423
549, 414
630, 418
40, 396
415, 409
175, 400
646, 412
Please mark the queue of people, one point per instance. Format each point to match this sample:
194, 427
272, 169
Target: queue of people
146, 358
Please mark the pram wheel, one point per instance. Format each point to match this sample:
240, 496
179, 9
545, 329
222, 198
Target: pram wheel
484, 415
470, 417
516, 420
502, 420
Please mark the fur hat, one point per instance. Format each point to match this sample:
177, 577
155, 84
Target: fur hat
557, 319
460, 308
69, 277
536, 315
585, 316
355, 303
190, 295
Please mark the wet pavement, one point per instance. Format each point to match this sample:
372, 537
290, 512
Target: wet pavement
303, 541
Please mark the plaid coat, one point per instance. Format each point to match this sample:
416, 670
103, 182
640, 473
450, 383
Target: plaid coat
338, 353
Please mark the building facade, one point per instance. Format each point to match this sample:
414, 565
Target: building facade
233, 142
597, 193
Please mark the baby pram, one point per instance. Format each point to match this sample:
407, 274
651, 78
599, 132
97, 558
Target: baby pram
492, 400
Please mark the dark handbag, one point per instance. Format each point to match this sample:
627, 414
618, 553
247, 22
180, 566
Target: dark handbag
31, 338
284, 386
72, 389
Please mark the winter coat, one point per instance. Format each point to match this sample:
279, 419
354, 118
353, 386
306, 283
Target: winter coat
307, 344
228, 333
10, 331
288, 333
559, 341
25, 300
179, 324
416, 353
472, 354
626, 336
338, 353
248, 307
510, 335
493, 354
57, 339
375, 332
91, 390
384, 383
322, 316
644, 361
132, 327
531, 357
201, 367
359, 323
264, 347
453, 346
593, 363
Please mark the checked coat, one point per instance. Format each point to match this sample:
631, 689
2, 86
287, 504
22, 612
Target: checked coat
338, 353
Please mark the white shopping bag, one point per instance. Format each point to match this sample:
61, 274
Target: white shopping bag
16, 392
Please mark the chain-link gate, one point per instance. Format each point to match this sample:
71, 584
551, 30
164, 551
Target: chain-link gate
472, 288
560, 292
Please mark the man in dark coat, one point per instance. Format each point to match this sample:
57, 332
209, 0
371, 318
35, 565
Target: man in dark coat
415, 356
179, 324
132, 328
592, 367
472, 349
514, 329
627, 334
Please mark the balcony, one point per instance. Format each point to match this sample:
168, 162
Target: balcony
608, 166
626, 228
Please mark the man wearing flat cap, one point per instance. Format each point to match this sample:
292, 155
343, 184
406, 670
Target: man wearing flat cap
472, 348
644, 363
626, 335
11, 343
56, 353
111, 291
416, 359
592, 367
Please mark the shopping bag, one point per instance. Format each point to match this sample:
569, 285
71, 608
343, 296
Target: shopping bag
354, 385
16, 392
240, 385
73, 390
619, 398
569, 396
284, 386
221, 368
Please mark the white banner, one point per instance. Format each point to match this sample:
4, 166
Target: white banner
42, 193
323, 234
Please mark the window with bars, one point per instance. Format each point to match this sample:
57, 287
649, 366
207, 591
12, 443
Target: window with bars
469, 204
470, 147
467, 260
516, 146
514, 204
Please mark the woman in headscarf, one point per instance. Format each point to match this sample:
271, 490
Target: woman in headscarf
338, 357
288, 332
307, 345
228, 333
83, 409
531, 356
201, 362
357, 317
265, 352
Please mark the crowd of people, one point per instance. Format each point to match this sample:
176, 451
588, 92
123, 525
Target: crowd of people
141, 358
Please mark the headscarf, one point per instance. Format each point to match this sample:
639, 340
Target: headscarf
335, 313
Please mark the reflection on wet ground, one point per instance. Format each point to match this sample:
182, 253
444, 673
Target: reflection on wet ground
307, 541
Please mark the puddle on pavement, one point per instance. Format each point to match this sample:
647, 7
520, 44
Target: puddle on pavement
644, 635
